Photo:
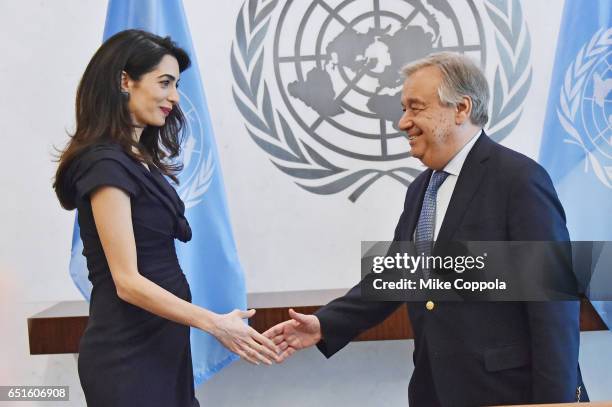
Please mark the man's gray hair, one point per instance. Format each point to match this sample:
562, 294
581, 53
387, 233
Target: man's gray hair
460, 77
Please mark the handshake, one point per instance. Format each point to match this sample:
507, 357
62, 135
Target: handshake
275, 345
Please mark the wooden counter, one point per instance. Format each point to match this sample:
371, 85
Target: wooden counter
58, 329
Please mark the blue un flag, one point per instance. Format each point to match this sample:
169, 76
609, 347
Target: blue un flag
209, 260
577, 141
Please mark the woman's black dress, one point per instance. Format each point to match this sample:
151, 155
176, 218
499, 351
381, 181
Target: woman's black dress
129, 356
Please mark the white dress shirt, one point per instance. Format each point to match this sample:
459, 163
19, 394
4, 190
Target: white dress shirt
445, 192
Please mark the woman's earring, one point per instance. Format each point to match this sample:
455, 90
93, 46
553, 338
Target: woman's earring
125, 94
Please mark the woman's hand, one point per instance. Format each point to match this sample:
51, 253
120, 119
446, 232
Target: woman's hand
243, 340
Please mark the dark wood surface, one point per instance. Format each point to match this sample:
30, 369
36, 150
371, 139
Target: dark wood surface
58, 329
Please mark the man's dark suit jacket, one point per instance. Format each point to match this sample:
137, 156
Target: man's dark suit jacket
470, 354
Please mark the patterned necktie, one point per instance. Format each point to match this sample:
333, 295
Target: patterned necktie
424, 234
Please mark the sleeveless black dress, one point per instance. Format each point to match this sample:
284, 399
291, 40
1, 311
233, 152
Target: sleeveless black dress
128, 356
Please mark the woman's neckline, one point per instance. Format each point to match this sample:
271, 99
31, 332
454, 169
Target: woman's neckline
143, 164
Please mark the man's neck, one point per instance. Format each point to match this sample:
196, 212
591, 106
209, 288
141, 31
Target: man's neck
465, 135
460, 139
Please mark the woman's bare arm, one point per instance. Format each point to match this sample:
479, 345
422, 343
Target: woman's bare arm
113, 217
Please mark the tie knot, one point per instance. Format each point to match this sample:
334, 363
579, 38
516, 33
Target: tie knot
437, 179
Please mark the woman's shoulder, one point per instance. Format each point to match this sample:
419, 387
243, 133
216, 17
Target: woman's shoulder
107, 152
98, 157
102, 150
104, 163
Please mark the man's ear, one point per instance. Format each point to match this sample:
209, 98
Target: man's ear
463, 110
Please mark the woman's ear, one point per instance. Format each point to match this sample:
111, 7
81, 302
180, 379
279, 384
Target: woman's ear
125, 82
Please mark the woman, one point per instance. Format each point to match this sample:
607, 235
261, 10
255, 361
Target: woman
135, 350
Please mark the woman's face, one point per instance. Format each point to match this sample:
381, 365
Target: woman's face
154, 95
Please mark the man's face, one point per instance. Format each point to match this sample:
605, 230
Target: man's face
429, 124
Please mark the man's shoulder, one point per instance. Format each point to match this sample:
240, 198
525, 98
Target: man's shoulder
510, 161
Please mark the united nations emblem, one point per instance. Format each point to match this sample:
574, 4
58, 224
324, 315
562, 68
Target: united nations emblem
585, 106
325, 102
198, 167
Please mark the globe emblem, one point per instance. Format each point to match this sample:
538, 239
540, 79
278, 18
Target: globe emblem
596, 107
192, 155
337, 66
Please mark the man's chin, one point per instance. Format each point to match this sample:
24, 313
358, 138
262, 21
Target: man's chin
428, 162
416, 154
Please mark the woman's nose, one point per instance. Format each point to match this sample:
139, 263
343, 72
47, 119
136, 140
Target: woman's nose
174, 97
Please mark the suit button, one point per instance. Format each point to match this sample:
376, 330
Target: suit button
430, 305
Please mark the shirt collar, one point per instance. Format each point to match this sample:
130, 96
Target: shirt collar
454, 166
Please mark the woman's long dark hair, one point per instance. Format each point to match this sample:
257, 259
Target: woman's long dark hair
102, 112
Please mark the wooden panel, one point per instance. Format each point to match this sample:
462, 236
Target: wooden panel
589, 318
58, 329
55, 335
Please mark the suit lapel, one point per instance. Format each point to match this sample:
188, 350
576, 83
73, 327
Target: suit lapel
470, 177
414, 210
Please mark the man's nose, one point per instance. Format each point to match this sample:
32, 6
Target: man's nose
405, 122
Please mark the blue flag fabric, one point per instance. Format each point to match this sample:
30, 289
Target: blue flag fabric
577, 141
209, 260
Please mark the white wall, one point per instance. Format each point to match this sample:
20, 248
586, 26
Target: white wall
46, 45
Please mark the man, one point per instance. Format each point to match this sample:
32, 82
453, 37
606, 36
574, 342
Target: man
468, 353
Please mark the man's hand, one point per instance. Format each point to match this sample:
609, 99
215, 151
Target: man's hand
300, 332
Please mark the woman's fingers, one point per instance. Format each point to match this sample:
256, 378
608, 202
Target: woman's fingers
244, 355
270, 353
238, 346
258, 352
271, 346
255, 350
253, 346
249, 354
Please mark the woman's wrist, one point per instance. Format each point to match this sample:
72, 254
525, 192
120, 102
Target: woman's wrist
207, 321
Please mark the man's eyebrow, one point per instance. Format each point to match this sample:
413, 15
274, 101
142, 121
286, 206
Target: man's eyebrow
414, 100
168, 75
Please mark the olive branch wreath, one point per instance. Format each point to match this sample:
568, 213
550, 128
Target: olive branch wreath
271, 132
571, 93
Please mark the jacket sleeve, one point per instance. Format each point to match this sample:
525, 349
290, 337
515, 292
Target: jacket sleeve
346, 317
535, 214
